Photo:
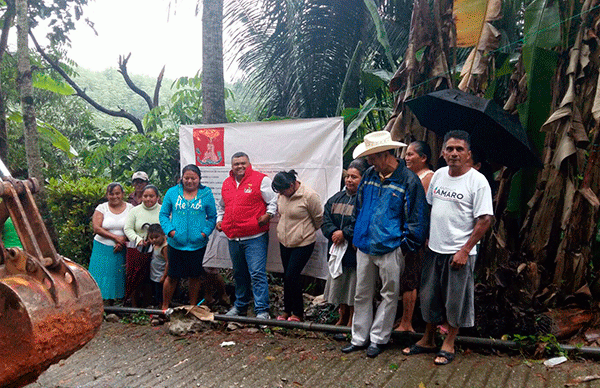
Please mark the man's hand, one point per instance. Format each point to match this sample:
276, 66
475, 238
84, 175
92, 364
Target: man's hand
459, 259
219, 226
338, 237
264, 219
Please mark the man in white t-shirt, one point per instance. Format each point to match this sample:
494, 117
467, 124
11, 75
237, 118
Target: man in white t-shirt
461, 213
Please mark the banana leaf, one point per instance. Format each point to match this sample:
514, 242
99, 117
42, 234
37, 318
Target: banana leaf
542, 29
471, 17
382, 36
50, 133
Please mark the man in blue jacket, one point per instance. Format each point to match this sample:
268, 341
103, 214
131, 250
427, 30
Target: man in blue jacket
392, 218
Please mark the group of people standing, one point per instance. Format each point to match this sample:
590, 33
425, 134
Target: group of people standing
400, 208
397, 227
249, 199
129, 249
126, 250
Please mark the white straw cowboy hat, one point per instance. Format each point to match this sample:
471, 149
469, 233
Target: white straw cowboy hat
375, 142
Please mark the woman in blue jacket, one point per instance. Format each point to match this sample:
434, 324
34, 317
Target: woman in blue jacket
188, 216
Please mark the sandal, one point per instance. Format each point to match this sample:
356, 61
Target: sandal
282, 317
449, 357
294, 318
418, 349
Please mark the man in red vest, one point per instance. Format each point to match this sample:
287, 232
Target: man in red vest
246, 207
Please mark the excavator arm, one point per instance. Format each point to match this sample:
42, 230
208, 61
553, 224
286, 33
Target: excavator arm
49, 306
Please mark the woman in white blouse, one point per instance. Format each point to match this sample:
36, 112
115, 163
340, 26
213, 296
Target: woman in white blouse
107, 263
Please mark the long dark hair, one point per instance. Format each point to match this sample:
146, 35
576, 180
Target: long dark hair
283, 180
193, 168
423, 149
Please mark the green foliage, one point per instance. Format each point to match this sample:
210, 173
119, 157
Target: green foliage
60, 16
61, 119
185, 107
110, 90
373, 114
542, 29
48, 132
243, 109
533, 113
71, 203
139, 318
116, 155
63, 123
186, 102
296, 54
381, 32
546, 341
46, 82
153, 119
357, 117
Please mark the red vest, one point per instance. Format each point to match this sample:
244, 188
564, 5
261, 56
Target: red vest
243, 205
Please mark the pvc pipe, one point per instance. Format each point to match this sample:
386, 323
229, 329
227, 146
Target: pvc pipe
311, 326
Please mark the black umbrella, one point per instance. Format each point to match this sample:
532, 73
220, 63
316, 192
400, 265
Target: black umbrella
497, 134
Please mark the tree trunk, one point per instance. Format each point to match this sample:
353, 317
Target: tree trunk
32, 147
7, 21
213, 84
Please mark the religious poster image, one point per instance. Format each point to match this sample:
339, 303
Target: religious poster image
208, 146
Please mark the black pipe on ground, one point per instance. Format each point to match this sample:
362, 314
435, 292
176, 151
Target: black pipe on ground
472, 341
131, 310
238, 319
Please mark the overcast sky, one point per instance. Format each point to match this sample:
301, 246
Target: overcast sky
145, 29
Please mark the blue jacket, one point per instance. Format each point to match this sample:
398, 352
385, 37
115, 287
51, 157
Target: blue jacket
391, 214
188, 218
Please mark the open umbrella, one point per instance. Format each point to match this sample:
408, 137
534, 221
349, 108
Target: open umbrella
493, 131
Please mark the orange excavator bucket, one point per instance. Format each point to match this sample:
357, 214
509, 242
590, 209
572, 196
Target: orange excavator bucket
49, 306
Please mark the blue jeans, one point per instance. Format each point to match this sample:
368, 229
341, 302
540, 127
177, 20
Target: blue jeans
249, 259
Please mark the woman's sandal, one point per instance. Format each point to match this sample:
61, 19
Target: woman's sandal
294, 318
418, 349
449, 357
282, 317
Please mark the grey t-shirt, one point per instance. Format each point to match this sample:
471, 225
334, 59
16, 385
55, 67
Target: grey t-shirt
158, 263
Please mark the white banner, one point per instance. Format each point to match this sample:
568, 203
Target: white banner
312, 147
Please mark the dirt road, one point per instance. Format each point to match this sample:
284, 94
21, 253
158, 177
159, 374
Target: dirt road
123, 355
